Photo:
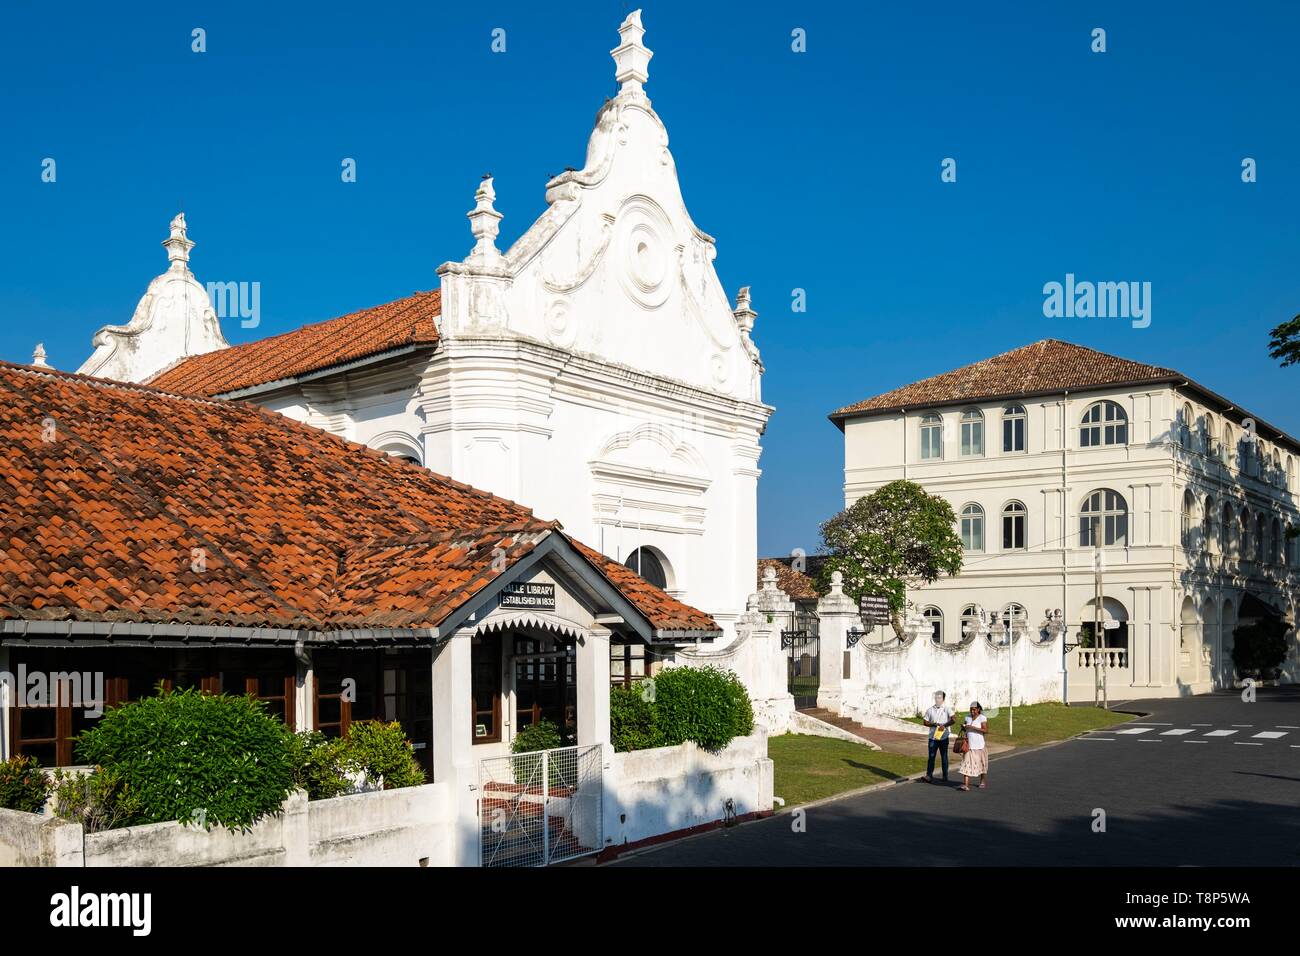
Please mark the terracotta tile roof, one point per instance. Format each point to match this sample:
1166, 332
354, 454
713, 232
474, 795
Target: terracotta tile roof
797, 585
405, 322
1046, 366
296, 527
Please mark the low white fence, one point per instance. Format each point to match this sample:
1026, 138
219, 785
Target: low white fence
900, 679
650, 793
411, 826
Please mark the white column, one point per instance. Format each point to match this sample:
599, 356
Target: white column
304, 687
837, 614
6, 701
453, 759
593, 688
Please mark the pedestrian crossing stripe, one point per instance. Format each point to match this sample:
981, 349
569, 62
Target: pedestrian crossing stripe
1134, 730
1220, 733
1177, 732
1271, 734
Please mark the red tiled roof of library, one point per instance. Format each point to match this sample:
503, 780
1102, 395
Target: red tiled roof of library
125, 503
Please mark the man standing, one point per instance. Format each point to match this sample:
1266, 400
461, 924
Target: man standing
938, 718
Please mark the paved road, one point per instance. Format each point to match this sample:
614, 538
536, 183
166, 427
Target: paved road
1212, 780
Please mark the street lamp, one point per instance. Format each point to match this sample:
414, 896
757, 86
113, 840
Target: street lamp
1007, 633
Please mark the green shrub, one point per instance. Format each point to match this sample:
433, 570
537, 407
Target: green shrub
1259, 648
633, 721
23, 784
189, 756
543, 735
99, 800
703, 704
382, 750
321, 765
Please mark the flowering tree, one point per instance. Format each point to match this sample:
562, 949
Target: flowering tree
897, 537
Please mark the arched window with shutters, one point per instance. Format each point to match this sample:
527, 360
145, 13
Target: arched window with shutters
1290, 474
1189, 520
1229, 448
1187, 419
1247, 535
1014, 422
931, 438
972, 433
648, 565
1103, 517
1231, 534
1211, 538
1104, 423
972, 528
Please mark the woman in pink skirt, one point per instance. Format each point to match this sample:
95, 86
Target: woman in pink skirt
975, 762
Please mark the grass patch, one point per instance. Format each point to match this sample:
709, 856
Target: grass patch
1041, 723
811, 768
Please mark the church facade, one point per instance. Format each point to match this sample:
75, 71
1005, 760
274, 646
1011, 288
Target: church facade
595, 371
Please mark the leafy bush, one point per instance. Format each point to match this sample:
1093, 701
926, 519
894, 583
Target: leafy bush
382, 750
320, 765
703, 704
188, 756
23, 784
633, 721
543, 735
1259, 648
326, 767
99, 800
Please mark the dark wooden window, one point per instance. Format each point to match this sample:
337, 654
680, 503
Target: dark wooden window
485, 688
545, 684
628, 663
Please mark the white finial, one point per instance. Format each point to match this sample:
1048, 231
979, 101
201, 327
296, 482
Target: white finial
837, 582
631, 58
178, 245
38, 356
484, 221
744, 313
769, 578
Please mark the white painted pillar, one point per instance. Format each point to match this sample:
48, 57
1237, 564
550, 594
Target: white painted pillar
837, 614
7, 690
304, 687
453, 758
593, 687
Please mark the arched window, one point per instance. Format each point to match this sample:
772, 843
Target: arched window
1187, 418
1013, 429
931, 438
972, 433
1209, 440
934, 617
1276, 544
972, 528
647, 564
1231, 536
1290, 474
1261, 538
1247, 536
1211, 542
1276, 477
1104, 423
1015, 612
1014, 516
1107, 512
970, 622
1189, 519
1229, 449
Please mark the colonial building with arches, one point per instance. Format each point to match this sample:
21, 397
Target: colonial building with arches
1057, 460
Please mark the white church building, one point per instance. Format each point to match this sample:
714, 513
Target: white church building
1057, 458
595, 371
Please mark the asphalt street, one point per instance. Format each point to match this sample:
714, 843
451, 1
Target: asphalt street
1201, 781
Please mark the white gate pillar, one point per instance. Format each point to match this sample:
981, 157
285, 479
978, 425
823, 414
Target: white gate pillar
837, 614
593, 688
767, 612
453, 746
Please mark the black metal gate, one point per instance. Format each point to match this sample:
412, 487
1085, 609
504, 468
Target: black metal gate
802, 666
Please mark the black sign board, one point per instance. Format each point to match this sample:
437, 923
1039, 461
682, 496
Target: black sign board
537, 597
873, 609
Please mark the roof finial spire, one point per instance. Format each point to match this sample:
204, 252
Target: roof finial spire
484, 221
38, 356
178, 245
631, 58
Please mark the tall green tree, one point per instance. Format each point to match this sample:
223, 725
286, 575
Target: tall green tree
1285, 342
897, 537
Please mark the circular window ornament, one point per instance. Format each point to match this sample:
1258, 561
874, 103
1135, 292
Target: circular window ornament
641, 238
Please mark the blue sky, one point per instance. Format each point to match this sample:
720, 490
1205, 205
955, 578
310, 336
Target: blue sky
818, 171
